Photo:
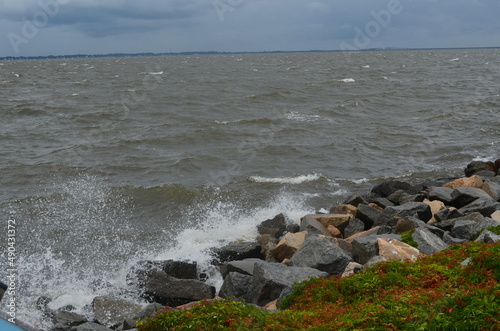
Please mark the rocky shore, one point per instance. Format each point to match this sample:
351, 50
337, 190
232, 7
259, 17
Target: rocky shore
394, 221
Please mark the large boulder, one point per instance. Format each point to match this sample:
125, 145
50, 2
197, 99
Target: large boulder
111, 311
482, 206
392, 249
312, 226
477, 166
428, 242
389, 187
321, 253
448, 224
365, 248
165, 289
270, 279
66, 319
355, 226
442, 194
462, 196
244, 267
237, 251
419, 210
340, 221
274, 227
181, 269
370, 216
238, 286
447, 213
492, 188
290, 244
471, 182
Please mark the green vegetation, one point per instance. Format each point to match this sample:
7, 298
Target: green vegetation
437, 292
407, 238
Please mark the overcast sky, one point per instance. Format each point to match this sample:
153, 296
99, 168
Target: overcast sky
58, 27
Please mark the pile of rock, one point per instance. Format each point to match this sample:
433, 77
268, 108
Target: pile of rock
395, 221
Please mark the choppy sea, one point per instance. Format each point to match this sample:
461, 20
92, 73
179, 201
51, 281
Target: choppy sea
108, 161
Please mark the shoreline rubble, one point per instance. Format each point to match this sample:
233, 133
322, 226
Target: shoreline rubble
394, 221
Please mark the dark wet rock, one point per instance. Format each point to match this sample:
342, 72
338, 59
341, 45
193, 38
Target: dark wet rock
401, 197
447, 213
111, 311
482, 206
355, 200
355, 225
238, 286
365, 248
427, 241
419, 210
164, 289
383, 202
270, 279
475, 166
442, 194
237, 251
274, 227
448, 224
180, 269
62, 318
389, 187
369, 215
462, 196
244, 267
464, 230
321, 253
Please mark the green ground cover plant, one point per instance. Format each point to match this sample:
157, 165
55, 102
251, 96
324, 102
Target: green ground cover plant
455, 289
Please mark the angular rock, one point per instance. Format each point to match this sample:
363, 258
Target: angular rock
470, 182
364, 248
89, 326
339, 221
355, 200
237, 251
383, 202
374, 260
111, 312
368, 215
355, 225
165, 289
334, 232
392, 249
389, 187
464, 195
492, 188
488, 237
290, 244
344, 209
496, 216
485, 174
476, 166
482, 206
464, 230
62, 318
351, 269
244, 267
270, 279
448, 224
401, 197
181, 269
238, 286
312, 226
146, 312
407, 224
442, 194
419, 210
428, 242
274, 227
447, 239
373, 231
447, 213
268, 244
321, 253
436, 206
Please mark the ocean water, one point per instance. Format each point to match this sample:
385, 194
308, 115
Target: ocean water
105, 162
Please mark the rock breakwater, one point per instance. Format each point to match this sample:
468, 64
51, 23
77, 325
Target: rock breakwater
396, 220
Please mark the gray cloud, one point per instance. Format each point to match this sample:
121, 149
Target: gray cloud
99, 26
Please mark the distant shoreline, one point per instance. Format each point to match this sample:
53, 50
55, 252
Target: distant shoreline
79, 56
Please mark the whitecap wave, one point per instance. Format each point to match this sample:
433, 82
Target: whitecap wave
347, 80
286, 180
